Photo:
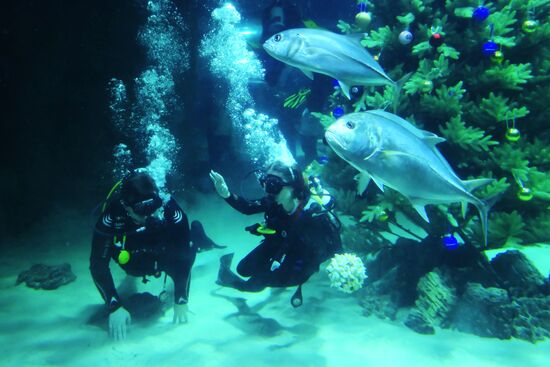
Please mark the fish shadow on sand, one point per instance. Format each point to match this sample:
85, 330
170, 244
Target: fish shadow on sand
248, 319
144, 308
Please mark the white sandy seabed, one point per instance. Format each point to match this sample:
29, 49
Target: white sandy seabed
49, 328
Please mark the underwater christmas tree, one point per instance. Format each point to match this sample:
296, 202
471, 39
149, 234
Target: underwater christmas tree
480, 79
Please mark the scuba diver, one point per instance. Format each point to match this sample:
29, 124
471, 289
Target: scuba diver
293, 111
145, 237
299, 233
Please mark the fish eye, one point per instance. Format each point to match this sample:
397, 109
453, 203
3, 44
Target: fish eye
277, 37
350, 125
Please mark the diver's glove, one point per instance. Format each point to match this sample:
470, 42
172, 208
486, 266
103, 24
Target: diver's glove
118, 323
219, 184
253, 229
180, 313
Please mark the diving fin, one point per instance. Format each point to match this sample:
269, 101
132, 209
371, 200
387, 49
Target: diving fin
226, 278
297, 299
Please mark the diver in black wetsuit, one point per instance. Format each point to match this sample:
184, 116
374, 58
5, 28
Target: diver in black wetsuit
299, 234
145, 237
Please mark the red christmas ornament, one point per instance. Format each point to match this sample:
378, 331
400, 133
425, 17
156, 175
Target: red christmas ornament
436, 40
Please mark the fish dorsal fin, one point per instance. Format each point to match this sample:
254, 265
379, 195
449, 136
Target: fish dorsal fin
345, 88
358, 53
363, 180
427, 137
422, 134
308, 73
472, 185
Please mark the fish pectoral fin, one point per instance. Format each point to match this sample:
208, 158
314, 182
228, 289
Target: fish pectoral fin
308, 73
345, 88
374, 152
394, 153
363, 180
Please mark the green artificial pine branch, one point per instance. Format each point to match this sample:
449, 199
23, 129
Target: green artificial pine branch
535, 4
379, 101
418, 6
468, 138
372, 213
446, 103
512, 160
347, 28
540, 184
361, 104
538, 153
421, 48
497, 106
506, 229
461, 8
379, 38
539, 228
507, 76
406, 19
418, 83
428, 70
494, 188
503, 24
369, 100
448, 51
465, 12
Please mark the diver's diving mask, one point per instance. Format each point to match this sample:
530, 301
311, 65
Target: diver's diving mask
272, 184
146, 207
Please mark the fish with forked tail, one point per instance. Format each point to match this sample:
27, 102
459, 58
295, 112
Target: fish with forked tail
341, 57
394, 153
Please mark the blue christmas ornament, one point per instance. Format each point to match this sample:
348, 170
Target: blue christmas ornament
322, 159
450, 242
335, 83
338, 112
481, 13
489, 48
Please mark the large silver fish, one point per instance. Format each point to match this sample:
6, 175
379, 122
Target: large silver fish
394, 153
338, 56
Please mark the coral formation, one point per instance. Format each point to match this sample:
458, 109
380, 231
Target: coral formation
346, 272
